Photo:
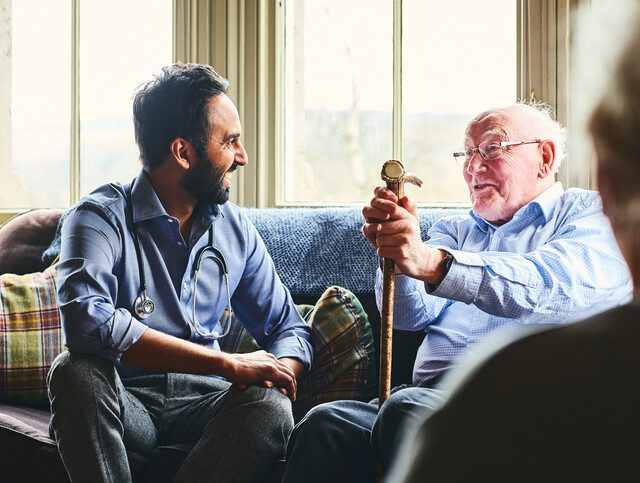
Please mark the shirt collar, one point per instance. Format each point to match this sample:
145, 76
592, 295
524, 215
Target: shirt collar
545, 202
147, 205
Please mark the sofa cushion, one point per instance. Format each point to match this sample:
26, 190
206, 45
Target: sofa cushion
24, 238
30, 336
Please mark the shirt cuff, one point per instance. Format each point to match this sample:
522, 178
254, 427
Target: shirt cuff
462, 281
121, 332
293, 347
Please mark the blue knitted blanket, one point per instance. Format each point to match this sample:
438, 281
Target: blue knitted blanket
314, 248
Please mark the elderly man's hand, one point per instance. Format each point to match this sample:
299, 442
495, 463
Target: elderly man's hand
395, 231
378, 210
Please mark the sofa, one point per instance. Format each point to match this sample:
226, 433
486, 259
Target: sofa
312, 248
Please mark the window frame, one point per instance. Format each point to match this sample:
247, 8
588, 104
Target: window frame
244, 41
74, 128
543, 36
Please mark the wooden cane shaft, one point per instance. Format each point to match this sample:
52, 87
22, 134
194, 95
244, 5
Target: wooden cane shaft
386, 316
386, 330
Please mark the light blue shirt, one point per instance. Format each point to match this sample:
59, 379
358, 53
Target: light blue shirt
98, 277
555, 261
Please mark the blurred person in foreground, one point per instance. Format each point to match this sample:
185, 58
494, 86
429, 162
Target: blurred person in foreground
562, 404
528, 253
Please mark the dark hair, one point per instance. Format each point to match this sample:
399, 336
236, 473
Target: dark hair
174, 104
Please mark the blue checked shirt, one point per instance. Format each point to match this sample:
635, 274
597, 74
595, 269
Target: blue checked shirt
98, 277
555, 261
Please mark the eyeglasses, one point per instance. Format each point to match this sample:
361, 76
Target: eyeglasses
489, 151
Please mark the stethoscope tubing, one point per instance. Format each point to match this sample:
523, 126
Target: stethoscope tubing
144, 306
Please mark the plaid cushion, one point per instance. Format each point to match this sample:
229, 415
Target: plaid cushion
30, 336
344, 364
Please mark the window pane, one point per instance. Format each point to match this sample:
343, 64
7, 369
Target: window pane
35, 103
338, 72
459, 58
122, 44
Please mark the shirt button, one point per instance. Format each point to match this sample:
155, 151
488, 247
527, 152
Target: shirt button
180, 243
185, 285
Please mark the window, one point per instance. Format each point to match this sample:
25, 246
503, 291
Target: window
401, 84
66, 87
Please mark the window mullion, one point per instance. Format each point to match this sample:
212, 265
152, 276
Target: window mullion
75, 103
397, 80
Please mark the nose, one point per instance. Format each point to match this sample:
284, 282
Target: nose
475, 164
241, 158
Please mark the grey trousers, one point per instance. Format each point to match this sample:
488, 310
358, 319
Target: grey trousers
97, 417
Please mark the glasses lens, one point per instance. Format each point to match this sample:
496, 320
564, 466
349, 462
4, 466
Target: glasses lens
491, 149
459, 156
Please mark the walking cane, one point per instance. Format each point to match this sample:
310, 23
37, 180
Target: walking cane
394, 175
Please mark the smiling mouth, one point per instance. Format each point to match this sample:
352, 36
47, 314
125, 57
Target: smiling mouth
479, 187
229, 172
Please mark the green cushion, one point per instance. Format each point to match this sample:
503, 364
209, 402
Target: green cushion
30, 336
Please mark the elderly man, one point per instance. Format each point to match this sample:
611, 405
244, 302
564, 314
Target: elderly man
146, 272
528, 253
560, 405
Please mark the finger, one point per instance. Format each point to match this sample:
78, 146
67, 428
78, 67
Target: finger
394, 240
382, 192
370, 231
406, 227
267, 384
372, 214
383, 208
409, 205
287, 380
392, 253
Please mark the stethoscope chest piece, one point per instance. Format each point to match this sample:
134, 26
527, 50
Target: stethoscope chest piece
143, 306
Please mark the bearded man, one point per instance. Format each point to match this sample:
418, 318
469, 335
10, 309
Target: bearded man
149, 277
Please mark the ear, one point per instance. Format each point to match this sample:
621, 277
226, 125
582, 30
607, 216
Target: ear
548, 161
182, 153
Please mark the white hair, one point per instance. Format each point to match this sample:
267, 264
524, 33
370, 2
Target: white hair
537, 115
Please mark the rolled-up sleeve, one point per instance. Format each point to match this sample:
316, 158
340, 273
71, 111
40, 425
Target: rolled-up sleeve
265, 307
88, 286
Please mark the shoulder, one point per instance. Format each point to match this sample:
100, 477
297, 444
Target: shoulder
109, 199
104, 207
577, 201
233, 215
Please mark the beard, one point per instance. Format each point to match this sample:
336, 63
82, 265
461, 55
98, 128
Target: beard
206, 183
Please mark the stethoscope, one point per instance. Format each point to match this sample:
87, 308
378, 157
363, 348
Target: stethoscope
144, 306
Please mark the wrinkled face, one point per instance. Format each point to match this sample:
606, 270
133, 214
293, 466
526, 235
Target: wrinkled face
210, 178
500, 187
